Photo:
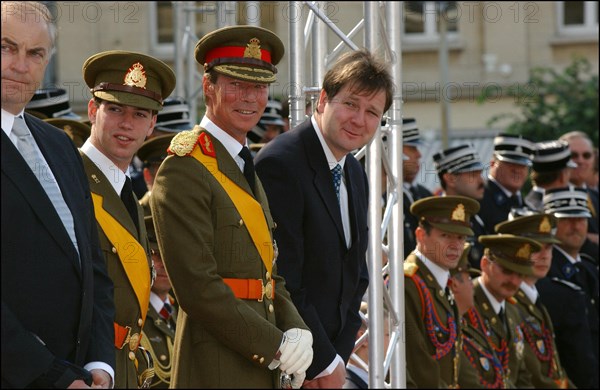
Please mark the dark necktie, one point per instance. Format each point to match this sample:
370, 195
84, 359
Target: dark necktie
166, 311
502, 317
248, 166
337, 179
515, 201
129, 201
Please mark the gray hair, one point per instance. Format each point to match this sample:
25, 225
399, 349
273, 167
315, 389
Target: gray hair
35, 9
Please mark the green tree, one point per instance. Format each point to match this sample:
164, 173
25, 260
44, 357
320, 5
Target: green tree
553, 103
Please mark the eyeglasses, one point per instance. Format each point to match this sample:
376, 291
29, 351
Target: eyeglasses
584, 155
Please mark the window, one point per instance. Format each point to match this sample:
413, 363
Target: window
577, 17
422, 20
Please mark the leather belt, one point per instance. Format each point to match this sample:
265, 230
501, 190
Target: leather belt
123, 337
251, 288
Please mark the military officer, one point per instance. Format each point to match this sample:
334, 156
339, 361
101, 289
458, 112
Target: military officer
508, 172
460, 172
412, 190
505, 261
237, 325
152, 153
76, 130
159, 329
541, 355
570, 290
480, 365
127, 90
432, 321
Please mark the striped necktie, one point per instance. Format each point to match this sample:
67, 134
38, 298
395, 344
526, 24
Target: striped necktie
34, 158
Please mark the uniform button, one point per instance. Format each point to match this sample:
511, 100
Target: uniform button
493, 321
271, 308
530, 307
274, 225
441, 292
131, 355
114, 250
241, 223
261, 360
140, 322
163, 357
268, 275
255, 357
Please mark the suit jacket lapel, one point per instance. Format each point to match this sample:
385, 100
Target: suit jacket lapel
16, 169
491, 319
111, 201
322, 176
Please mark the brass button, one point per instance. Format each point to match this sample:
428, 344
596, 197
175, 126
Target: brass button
530, 307
163, 357
254, 357
269, 290
271, 308
268, 275
131, 355
114, 250
441, 292
274, 225
493, 321
261, 360
140, 322
241, 223
134, 341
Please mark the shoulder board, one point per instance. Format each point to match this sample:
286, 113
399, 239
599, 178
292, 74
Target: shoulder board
511, 300
184, 142
566, 283
410, 269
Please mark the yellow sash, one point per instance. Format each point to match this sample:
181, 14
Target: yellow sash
130, 252
250, 210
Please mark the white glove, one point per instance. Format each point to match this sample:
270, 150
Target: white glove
298, 380
296, 351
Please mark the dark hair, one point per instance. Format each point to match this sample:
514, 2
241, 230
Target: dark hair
425, 225
363, 72
98, 101
544, 178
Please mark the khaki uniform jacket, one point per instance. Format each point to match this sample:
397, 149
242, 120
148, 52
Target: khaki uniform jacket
480, 366
221, 341
145, 203
517, 372
158, 338
539, 342
127, 308
425, 370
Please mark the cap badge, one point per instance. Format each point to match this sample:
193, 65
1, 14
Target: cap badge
545, 226
459, 213
253, 49
524, 252
136, 76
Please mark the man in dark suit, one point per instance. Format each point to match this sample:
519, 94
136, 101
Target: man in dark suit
508, 172
127, 90
57, 305
318, 196
570, 291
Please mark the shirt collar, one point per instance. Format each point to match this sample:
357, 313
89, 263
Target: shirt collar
231, 144
530, 291
8, 120
156, 302
114, 175
441, 275
328, 153
568, 256
506, 192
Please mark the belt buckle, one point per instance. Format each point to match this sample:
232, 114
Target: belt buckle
127, 338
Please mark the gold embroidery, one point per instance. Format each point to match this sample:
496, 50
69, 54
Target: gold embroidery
545, 226
136, 76
253, 49
183, 143
459, 213
524, 252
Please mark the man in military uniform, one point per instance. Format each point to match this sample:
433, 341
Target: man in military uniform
552, 166
570, 290
506, 260
508, 172
432, 320
479, 364
127, 91
412, 190
541, 355
159, 329
152, 153
459, 169
78, 131
237, 325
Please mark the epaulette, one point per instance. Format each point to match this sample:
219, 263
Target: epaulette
184, 142
410, 269
566, 283
511, 300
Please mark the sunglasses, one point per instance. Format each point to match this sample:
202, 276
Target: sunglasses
584, 155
